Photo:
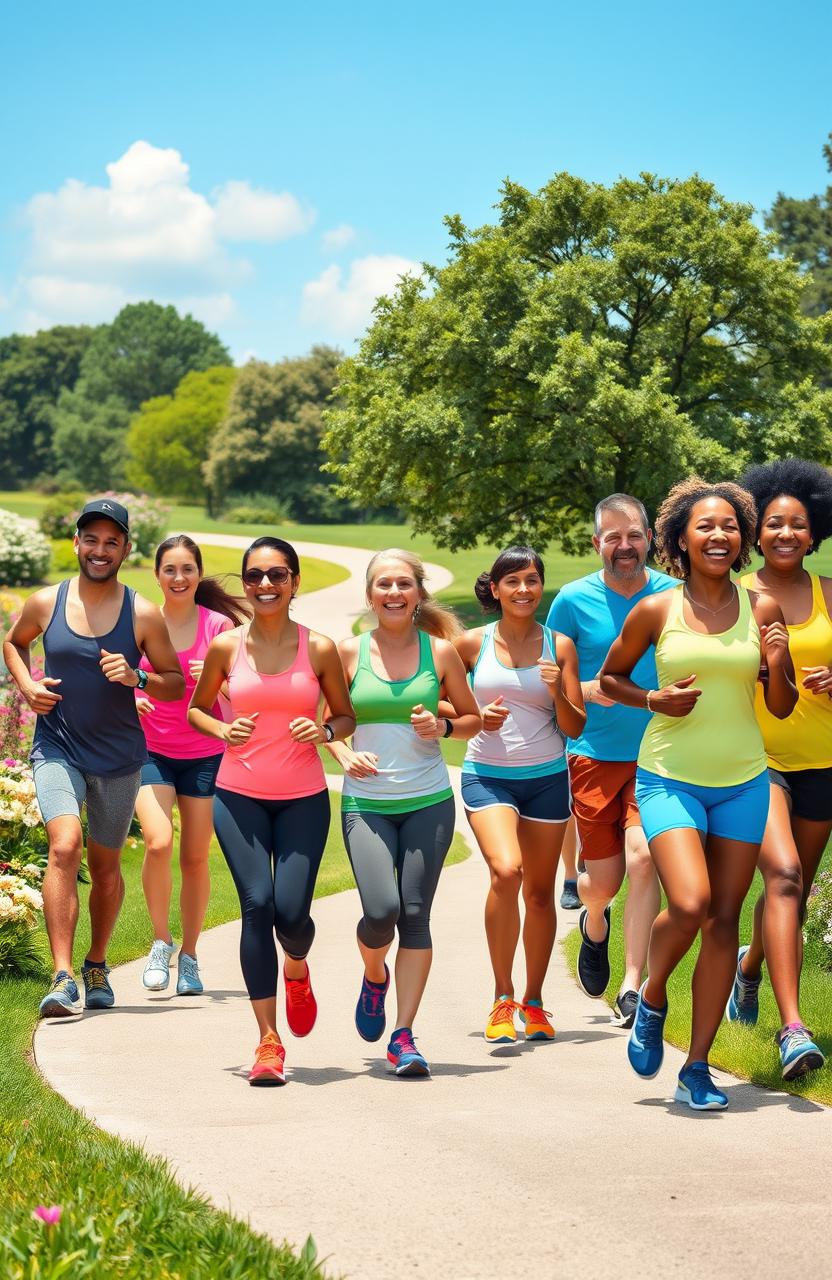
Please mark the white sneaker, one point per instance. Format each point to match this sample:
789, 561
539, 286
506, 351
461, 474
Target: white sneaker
156, 974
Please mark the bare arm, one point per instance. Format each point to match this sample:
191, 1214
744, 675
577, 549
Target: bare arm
338, 707
564, 685
41, 695
780, 688
642, 629
467, 719
165, 682
216, 666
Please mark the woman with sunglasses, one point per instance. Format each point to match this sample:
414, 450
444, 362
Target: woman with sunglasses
271, 805
181, 767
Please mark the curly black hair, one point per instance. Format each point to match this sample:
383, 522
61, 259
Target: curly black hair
674, 514
808, 482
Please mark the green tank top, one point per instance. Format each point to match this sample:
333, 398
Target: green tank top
719, 744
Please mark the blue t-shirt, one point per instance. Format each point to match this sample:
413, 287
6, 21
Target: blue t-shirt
592, 615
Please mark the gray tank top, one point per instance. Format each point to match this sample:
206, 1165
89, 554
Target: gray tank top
95, 727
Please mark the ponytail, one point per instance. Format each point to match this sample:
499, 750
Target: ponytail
210, 593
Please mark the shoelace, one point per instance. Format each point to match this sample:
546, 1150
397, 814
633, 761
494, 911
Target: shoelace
269, 1050
188, 967
650, 1028
96, 976
405, 1044
534, 1013
159, 956
372, 999
298, 990
747, 989
504, 1012
795, 1036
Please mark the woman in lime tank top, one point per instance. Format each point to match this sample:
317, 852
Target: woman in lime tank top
701, 785
794, 504
397, 805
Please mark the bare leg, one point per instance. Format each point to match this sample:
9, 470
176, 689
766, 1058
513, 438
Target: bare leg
265, 1011
598, 884
60, 888
679, 856
374, 958
540, 843
197, 829
496, 830
569, 851
154, 810
777, 910
412, 969
106, 897
642, 906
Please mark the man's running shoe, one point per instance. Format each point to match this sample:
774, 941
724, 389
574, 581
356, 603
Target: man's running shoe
188, 981
98, 994
798, 1052
301, 1005
500, 1027
698, 1090
593, 960
156, 975
369, 1012
403, 1057
268, 1062
645, 1047
744, 1000
62, 999
569, 899
624, 1009
536, 1021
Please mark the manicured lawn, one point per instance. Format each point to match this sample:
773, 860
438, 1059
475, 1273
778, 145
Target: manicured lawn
122, 1211
747, 1052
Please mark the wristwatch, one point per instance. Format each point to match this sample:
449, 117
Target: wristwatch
141, 678
449, 727
329, 732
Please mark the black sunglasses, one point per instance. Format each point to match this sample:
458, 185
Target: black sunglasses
277, 575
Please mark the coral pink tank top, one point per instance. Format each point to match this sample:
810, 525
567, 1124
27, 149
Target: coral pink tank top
271, 765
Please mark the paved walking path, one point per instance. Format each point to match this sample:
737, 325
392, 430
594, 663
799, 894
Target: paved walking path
553, 1159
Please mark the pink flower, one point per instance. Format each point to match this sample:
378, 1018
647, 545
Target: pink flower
51, 1215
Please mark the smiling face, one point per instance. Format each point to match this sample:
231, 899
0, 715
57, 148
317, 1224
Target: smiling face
785, 533
622, 543
394, 593
265, 596
712, 537
519, 592
178, 574
101, 548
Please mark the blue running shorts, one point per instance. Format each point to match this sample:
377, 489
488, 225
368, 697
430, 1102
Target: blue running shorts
188, 777
543, 799
734, 813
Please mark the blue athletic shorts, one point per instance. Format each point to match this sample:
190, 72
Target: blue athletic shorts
194, 777
734, 813
543, 799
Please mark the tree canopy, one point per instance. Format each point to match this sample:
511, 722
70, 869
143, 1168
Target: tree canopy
169, 439
804, 229
595, 339
33, 372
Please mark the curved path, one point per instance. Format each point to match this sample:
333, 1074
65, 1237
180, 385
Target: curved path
550, 1158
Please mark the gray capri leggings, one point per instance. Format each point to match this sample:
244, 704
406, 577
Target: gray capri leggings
396, 860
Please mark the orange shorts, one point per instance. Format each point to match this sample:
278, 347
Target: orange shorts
604, 804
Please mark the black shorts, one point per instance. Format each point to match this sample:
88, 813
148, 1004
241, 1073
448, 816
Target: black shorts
809, 790
188, 777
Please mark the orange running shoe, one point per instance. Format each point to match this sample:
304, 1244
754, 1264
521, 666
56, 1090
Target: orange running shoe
268, 1061
301, 1005
536, 1020
500, 1027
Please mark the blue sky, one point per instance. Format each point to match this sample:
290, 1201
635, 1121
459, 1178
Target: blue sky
274, 166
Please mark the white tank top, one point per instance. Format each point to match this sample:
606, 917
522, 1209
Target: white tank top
529, 744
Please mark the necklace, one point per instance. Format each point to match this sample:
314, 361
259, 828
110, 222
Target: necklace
699, 605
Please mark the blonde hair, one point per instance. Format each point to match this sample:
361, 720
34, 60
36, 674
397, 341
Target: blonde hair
431, 617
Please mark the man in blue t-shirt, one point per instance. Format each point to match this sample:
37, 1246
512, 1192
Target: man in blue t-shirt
602, 761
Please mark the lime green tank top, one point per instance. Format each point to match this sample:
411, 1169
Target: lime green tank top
719, 744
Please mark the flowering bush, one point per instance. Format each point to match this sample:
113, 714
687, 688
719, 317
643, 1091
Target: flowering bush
148, 522
60, 515
24, 552
818, 928
21, 904
22, 835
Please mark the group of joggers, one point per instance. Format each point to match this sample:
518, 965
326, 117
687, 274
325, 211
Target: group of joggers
681, 718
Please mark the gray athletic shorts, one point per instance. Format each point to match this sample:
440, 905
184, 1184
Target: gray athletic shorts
62, 790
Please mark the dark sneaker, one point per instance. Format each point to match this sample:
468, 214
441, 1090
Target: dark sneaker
645, 1047
369, 1012
98, 994
62, 999
593, 960
798, 1052
569, 899
744, 1000
624, 1009
697, 1089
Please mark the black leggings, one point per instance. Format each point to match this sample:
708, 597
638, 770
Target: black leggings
396, 860
273, 849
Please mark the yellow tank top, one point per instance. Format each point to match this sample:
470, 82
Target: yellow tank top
804, 739
719, 744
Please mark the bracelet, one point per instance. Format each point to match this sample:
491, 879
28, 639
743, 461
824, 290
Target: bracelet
449, 727
647, 700
328, 731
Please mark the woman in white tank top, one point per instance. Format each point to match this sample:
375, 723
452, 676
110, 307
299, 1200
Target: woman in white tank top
514, 780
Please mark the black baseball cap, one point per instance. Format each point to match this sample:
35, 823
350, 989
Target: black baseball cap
105, 509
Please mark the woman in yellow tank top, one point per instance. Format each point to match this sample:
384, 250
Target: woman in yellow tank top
794, 505
701, 783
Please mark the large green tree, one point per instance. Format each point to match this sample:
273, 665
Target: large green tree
145, 352
169, 439
804, 229
595, 339
270, 439
33, 372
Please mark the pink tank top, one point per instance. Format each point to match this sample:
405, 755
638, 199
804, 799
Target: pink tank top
166, 728
271, 765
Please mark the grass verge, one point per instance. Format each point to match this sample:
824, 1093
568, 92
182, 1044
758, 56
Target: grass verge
124, 1216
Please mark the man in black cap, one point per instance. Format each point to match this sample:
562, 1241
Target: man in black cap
88, 744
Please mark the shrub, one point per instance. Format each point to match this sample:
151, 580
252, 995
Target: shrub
60, 515
818, 928
254, 508
24, 552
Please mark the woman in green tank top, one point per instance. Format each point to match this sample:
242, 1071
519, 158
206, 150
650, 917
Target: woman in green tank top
702, 782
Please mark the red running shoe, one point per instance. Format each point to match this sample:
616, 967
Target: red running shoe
268, 1061
301, 1005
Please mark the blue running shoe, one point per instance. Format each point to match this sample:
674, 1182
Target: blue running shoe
62, 999
188, 981
98, 994
403, 1057
645, 1047
369, 1012
798, 1052
744, 1001
698, 1090
569, 899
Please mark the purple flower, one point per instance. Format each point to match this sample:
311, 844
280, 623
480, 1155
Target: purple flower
51, 1214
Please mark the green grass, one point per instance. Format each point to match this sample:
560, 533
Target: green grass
123, 1210
747, 1052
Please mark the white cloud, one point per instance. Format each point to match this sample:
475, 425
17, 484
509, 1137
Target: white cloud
344, 306
249, 213
337, 238
79, 300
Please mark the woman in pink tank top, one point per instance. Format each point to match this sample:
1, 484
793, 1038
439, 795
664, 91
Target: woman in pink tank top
271, 804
